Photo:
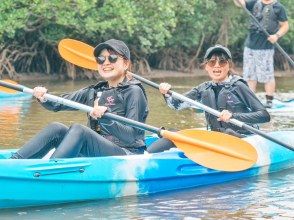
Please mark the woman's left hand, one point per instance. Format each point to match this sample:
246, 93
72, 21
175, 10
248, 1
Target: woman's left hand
225, 116
98, 111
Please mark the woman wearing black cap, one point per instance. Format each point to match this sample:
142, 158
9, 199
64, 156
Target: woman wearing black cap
102, 137
226, 92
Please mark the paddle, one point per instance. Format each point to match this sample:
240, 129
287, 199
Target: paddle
215, 112
6, 90
78, 53
70, 50
210, 149
277, 45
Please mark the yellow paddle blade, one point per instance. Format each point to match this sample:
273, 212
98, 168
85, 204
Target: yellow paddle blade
78, 53
7, 90
214, 150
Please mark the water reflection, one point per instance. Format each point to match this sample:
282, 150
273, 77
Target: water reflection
36, 117
265, 197
11, 115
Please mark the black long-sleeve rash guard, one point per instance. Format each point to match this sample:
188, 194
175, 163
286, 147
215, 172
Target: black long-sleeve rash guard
233, 95
128, 99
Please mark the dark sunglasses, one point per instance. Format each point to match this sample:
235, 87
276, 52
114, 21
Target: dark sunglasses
221, 62
112, 58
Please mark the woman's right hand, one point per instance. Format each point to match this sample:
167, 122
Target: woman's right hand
164, 88
98, 111
39, 93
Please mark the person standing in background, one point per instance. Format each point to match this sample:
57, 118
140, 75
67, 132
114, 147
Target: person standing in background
258, 57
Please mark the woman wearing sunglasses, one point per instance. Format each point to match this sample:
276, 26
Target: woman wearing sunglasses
102, 137
226, 92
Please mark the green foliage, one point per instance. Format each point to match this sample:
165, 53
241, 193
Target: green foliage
13, 16
192, 22
287, 40
148, 27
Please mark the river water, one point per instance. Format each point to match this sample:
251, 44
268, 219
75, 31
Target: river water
265, 197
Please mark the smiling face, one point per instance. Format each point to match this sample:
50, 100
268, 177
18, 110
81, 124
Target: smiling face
218, 68
111, 70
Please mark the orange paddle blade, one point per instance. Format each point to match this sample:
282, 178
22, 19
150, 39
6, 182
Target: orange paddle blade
7, 90
78, 53
214, 150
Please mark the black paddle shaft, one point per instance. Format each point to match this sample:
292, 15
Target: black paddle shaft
85, 108
256, 131
12, 86
214, 112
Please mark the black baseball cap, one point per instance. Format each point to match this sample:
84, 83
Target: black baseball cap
117, 45
217, 48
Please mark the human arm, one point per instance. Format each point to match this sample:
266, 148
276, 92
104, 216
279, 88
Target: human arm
284, 27
257, 113
175, 103
97, 111
247, 4
39, 92
80, 96
239, 3
225, 116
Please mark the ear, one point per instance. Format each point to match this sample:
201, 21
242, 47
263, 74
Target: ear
129, 75
206, 67
126, 64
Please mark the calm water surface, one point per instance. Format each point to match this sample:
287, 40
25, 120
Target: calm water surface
265, 197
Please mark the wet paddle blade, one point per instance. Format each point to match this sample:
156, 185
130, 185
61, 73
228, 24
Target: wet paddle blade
7, 90
78, 53
214, 150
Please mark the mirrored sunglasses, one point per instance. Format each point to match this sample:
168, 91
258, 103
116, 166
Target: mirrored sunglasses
221, 62
112, 58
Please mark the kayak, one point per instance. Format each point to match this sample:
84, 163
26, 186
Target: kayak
283, 102
36, 182
14, 96
282, 106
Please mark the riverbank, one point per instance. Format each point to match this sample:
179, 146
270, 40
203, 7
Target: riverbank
155, 73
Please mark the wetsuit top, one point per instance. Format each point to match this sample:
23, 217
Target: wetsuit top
233, 95
128, 99
269, 16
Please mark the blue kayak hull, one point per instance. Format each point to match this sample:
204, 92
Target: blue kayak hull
38, 182
282, 106
14, 96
